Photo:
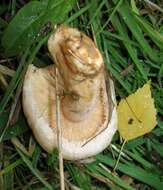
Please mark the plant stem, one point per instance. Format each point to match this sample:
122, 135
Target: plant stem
119, 156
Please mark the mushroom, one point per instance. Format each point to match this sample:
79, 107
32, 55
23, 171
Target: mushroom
87, 108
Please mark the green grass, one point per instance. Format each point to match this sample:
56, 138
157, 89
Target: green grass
129, 34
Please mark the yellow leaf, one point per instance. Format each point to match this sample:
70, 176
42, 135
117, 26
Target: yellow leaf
137, 114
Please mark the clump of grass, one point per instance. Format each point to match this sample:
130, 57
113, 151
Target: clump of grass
129, 35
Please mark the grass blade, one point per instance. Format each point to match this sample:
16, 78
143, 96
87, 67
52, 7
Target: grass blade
134, 171
33, 170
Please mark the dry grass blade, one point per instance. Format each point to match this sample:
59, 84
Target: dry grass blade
7, 71
59, 134
3, 82
150, 3
119, 156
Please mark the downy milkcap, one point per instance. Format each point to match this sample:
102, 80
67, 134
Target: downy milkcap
88, 109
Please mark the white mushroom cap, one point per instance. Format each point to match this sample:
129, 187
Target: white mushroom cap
86, 131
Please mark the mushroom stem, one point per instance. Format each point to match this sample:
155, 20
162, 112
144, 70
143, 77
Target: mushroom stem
80, 67
80, 97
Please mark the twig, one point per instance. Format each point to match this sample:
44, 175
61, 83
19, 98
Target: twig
154, 5
59, 134
3, 81
7, 71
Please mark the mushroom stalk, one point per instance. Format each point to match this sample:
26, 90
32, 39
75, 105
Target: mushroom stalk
81, 71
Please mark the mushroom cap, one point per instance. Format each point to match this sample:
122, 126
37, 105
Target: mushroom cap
39, 108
